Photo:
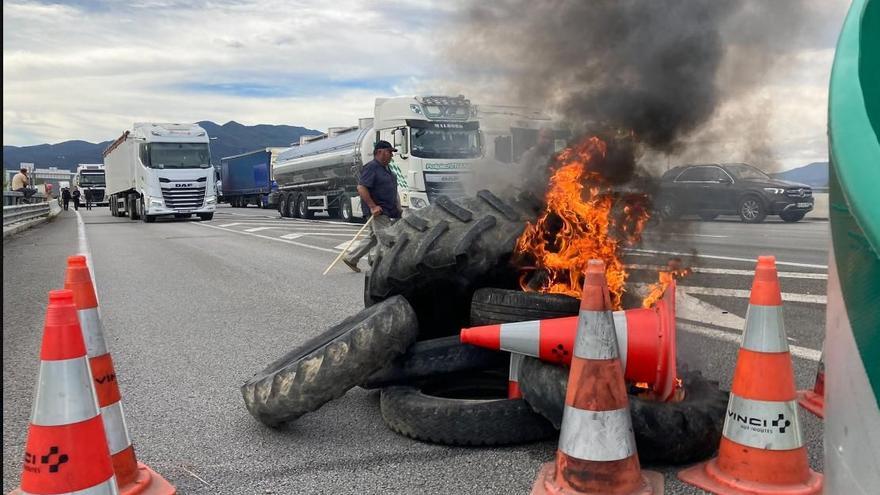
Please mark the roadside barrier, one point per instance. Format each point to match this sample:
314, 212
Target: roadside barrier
133, 477
814, 400
513, 391
66, 449
646, 337
597, 448
762, 450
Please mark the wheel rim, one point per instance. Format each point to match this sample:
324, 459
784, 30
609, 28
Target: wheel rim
291, 207
750, 209
346, 210
303, 208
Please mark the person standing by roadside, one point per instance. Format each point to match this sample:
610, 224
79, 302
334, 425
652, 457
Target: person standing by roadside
76, 195
88, 195
377, 187
65, 197
20, 183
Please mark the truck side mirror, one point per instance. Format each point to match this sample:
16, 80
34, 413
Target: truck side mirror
401, 142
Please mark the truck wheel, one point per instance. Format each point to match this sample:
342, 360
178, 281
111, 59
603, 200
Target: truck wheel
669, 432
302, 207
113, 209
143, 213
206, 216
449, 248
130, 205
462, 409
345, 212
282, 205
491, 306
326, 366
293, 204
434, 357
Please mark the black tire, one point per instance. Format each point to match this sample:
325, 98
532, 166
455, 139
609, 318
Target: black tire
752, 209
345, 211
282, 206
791, 217
708, 217
291, 205
434, 357
491, 306
462, 409
302, 207
131, 206
668, 210
143, 213
326, 366
206, 216
448, 248
668, 432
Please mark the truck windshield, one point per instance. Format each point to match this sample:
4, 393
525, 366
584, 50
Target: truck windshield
179, 155
445, 143
92, 179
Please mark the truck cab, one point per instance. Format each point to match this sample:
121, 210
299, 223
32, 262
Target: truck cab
91, 176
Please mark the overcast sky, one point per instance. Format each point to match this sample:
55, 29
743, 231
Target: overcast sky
87, 70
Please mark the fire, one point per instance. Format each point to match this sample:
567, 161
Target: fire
584, 219
673, 271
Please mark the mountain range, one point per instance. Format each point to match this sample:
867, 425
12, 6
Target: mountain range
814, 174
232, 138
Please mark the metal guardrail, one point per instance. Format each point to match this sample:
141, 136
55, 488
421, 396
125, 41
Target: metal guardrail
15, 198
22, 213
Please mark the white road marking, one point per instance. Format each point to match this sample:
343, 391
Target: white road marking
691, 308
341, 246
645, 252
745, 294
796, 350
258, 229
84, 250
229, 224
291, 236
292, 225
277, 239
732, 271
671, 234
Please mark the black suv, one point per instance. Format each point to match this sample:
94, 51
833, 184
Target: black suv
731, 189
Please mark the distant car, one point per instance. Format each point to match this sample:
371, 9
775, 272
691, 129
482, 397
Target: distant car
709, 190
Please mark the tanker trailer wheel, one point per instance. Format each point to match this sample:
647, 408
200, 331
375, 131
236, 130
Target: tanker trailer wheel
292, 210
302, 207
449, 249
282, 205
329, 364
468, 408
668, 432
345, 212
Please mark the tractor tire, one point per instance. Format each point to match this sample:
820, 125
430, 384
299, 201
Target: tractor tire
436, 257
491, 306
462, 409
435, 357
326, 366
666, 432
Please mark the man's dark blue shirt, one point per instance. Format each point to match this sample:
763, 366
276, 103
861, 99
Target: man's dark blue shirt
382, 184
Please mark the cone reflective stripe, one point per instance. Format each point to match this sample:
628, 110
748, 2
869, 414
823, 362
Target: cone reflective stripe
133, 477
513, 391
66, 449
597, 451
762, 450
814, 400
646, 341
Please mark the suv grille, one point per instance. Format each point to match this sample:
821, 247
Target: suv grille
799, 192
184, 198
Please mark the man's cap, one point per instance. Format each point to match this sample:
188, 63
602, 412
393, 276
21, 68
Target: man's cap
383, 145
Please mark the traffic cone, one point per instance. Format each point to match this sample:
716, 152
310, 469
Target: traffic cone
762, 450
646, 337
597, 448
133, 477
66, 450
814, 400
513, 391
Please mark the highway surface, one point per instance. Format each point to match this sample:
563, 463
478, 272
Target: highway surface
192, 309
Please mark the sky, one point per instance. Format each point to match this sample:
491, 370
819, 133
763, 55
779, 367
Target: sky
89, 69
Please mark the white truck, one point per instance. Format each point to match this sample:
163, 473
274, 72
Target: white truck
509, 131
91, 176
155, 170
438, 142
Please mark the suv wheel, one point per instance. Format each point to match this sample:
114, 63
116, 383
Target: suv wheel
668, 210
751, 210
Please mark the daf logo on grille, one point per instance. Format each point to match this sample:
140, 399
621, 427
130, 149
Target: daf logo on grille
188, 184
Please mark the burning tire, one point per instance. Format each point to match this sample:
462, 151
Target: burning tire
436, 256
493, 306
668, 432
434, 357
462, 409
326, 366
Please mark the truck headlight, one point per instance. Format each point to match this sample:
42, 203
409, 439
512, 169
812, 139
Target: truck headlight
774, 190
418, 202
156, 202
211, 200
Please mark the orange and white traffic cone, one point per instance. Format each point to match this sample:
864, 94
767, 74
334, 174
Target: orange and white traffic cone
762, 450
597, 448
814, 400
133, 477
513, 391
66, 450
646, 337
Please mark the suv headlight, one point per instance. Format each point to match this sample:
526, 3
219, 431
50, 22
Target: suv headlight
774, 190
418, 203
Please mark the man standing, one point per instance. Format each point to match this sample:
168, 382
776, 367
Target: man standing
76, 194
377, 187
88, 196
20, 183
65, 197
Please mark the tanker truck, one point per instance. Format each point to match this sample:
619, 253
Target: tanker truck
155, 170
438, 142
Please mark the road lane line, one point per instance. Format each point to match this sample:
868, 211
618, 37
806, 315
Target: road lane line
644, 252
260, 229
732, 271
291, 236
277, 239
84, 250
796, 350
691, 308
651, 234
745, 294
229, 224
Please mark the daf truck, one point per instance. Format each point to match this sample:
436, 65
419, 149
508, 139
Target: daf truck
438, 143
247, 178
91, 176
155, 170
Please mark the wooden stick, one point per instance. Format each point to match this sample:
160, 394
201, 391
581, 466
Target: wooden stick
348, 245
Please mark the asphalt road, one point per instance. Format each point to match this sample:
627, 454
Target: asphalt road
192, 309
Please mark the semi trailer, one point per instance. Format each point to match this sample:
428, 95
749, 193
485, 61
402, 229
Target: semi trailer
155, 170
247, 178
91, 176
438, 142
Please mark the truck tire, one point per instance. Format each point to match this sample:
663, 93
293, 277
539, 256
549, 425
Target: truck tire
434, 357
345, 211
292, 211
449, 249
206, 216
491, 306
668, 432
146, 218
130, 205
462, 409
302, 207
282, 205
326, 366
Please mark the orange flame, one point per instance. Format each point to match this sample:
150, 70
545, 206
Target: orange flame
673, 272
584, 219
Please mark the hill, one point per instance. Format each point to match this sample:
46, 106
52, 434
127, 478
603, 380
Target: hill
232, 138
814, 174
